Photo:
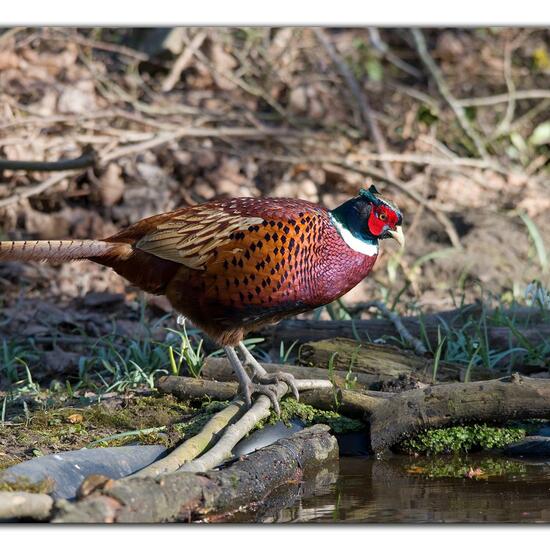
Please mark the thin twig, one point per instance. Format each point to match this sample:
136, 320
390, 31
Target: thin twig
183, 61
414, 342
106, 46
358, 95
489, 101
384, 49
432, 160
165, 137
444, 90
530, 115
36, 189
504, 125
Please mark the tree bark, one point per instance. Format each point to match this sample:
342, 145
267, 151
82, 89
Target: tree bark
511, 398
184, 496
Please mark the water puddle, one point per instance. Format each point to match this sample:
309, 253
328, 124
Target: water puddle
480, 488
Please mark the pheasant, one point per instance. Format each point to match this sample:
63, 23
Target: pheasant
234, 265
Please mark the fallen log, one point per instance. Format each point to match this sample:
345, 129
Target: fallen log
512, 398
23, 505
394, 417
184, 496
185, 387
348, 402
384, 361
218, 368
429, 326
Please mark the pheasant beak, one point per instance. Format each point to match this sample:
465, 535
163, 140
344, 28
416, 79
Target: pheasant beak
398, 235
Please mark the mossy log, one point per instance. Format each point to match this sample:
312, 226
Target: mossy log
405, 414
349, 402
184, 496
394, 417
218, 368
383, 361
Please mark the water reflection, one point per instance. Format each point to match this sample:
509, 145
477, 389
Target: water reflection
406, 490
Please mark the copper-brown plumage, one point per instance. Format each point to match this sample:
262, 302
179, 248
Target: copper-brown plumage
233, 265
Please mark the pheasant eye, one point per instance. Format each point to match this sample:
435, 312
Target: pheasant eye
383, 216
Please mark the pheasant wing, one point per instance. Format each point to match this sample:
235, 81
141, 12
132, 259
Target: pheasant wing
191, 236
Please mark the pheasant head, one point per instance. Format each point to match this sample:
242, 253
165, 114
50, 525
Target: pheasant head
366, 218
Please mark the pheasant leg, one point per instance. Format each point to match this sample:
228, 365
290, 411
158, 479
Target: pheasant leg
264, 377
247, 387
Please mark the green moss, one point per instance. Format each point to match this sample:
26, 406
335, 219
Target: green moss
6, 461
68, 428
22, 483
195, 424
290, 408
465, 467
460, 439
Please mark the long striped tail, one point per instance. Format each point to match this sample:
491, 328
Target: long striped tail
60, 251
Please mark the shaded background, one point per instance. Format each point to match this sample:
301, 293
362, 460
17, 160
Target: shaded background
451, 124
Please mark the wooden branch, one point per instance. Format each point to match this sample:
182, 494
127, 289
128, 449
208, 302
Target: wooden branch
19, 504
317, 393
35, 189
348, 402
85, 160
233, 434
444, 90
489, 101
512, 398
183, 61
183, 496
217, 368
384, 49
194, 446
406, 336
184, 387
166, 137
